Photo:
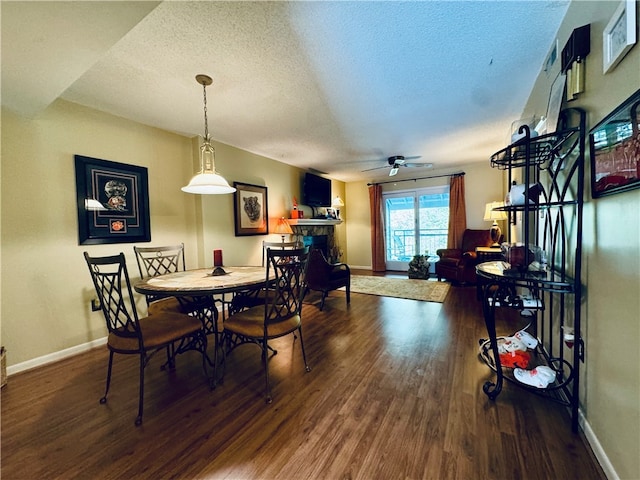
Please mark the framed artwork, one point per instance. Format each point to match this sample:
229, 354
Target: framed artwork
250, 209
551, 57
555, 102
331, 213
112, 202
615, 150
619, 35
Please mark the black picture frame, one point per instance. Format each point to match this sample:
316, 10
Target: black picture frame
250, 209
615, 150
112, 202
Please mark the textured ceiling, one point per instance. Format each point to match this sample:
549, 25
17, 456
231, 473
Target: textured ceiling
333, 86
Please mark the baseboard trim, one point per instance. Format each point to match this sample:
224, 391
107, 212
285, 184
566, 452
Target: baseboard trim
360, 267
54, 357
596, 448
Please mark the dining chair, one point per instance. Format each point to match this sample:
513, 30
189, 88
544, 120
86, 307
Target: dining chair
280, 313
132, 335
252, 297
274, 245
154, 261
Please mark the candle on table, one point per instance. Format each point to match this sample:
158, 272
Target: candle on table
217, 258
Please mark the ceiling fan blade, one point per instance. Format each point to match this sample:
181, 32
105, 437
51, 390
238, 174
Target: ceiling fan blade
422, 165
377, 168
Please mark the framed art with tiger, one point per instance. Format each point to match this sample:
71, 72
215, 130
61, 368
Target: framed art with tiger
250, 208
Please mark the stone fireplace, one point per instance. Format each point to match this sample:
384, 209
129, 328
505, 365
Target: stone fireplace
318, 234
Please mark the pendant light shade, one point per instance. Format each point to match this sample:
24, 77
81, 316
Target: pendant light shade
207, 181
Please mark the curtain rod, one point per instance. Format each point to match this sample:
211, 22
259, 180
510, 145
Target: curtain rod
459, 174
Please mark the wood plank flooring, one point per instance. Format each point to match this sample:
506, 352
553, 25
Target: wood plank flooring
395, 392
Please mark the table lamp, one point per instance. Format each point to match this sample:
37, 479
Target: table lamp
494, 215
337, 203
283, 228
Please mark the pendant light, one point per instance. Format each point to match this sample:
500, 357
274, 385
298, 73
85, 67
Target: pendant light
207, 181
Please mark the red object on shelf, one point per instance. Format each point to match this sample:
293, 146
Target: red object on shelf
217, 258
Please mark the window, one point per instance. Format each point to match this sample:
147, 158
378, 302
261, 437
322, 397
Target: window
416, 222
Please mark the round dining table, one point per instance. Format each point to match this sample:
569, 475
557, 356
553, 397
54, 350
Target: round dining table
202, 282
201, 286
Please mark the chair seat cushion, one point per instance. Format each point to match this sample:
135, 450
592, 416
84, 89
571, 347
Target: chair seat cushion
250, 323
157, 331
164, 305
448, 262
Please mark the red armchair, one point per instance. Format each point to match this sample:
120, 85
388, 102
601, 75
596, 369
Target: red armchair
459, 264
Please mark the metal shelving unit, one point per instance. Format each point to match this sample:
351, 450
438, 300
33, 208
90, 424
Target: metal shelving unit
554, 165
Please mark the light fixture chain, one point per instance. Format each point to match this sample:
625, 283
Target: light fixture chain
206, 122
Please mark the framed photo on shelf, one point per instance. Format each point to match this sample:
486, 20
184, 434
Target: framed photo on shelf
331, 213
250, 209
615, 150
112, 202
619, 35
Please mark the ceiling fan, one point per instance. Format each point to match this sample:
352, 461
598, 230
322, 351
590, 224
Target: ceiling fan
398, 161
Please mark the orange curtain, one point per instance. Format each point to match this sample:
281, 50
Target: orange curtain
457, 212
377, 229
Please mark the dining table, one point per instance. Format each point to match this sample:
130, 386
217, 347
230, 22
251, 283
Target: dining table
206, 288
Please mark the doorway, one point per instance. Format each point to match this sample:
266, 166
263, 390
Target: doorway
416, 222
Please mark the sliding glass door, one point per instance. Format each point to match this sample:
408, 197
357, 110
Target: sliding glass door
415, 223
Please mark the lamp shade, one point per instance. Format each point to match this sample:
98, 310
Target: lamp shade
491, 215
208, 184
282, 227
337, 202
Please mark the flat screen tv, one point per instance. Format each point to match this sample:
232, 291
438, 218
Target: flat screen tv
317, 190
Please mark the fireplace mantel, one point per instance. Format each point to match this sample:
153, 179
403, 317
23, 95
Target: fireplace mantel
318, 222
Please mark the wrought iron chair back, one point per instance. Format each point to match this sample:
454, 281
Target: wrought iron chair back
109, 275
276, 245
255, 296
154, 261
286, 290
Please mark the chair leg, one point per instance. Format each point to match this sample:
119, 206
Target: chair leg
265, 360
201, 339
348, 293
304, 354
138, 421
103, 400
324, 295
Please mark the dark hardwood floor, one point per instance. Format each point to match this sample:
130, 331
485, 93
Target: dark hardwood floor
395, 392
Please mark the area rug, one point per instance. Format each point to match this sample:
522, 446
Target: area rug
400, 288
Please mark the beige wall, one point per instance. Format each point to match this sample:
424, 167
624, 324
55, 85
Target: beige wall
483, 184
610, 398
46, 288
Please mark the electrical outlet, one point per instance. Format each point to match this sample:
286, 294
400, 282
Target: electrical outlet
95, 305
